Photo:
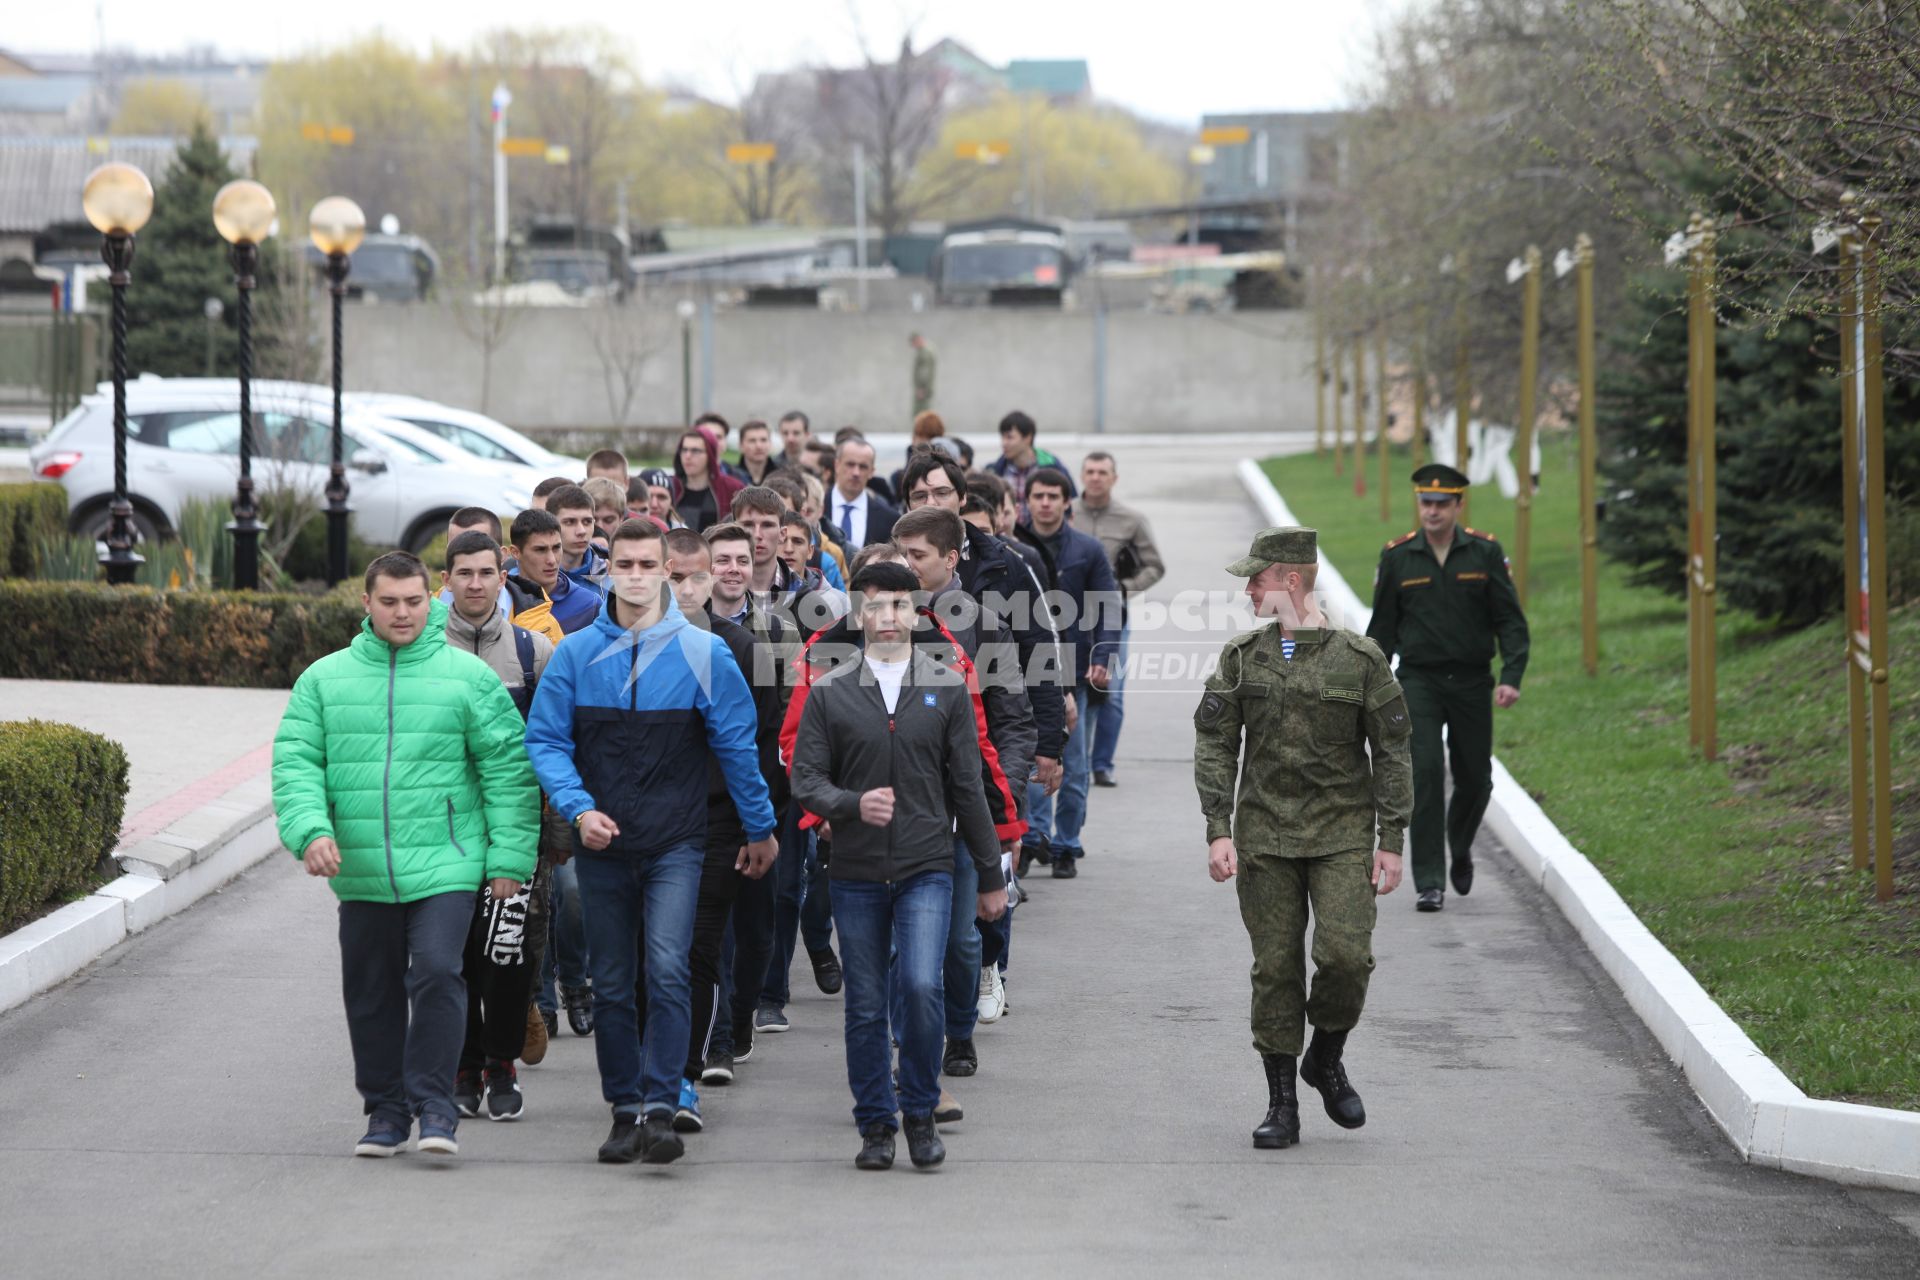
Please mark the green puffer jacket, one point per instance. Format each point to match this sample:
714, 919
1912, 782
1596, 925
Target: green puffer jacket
414, 761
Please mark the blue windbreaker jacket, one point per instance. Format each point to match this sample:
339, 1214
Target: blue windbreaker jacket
623, 722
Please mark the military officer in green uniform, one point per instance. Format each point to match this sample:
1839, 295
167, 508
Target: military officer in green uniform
1442, 597
924, 364
1324, 762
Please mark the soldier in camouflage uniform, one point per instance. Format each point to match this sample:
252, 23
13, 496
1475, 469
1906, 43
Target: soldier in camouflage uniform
924, 363
1325, 759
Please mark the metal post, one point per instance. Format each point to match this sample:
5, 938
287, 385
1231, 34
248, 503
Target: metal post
1589, 540
706, 353
1380, 436
1100, 366
120, 560
686, 369
1462, 384
1874, 584
1523, 445
338, 264
245, 526
502, 98
1359, 410
1705, 559
1693, 477
860, 221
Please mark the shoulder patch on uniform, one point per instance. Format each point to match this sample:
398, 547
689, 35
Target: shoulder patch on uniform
1246, 638
1402, 538
1212, 707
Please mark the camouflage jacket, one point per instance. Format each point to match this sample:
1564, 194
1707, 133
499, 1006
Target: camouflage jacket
1308, 787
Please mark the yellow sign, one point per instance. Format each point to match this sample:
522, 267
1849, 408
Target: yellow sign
535, 147
559, 155
340, 135
984, 152
752, 153
1225, 135
313, 132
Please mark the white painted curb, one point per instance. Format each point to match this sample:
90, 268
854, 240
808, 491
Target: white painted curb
226, 837
1770, 1121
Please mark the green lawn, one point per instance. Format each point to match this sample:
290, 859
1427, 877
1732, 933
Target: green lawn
1740, 867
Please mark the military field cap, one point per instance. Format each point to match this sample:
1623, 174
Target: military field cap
1289, 545
1437, 482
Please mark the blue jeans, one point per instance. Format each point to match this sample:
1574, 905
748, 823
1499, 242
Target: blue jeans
1057, 819
802, 907
1108, 715
628, 901
566, 954
400, 965
909, 920
962, 973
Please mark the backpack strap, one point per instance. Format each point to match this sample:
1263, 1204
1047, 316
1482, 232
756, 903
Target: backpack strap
523, 648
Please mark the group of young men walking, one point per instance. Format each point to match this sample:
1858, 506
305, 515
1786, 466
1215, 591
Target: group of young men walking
630, 751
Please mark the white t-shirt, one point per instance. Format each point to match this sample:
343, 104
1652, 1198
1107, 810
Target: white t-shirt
890, 676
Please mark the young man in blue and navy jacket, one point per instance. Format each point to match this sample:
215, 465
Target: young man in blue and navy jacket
623, 726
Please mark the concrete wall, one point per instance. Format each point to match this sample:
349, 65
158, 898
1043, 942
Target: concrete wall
568, 368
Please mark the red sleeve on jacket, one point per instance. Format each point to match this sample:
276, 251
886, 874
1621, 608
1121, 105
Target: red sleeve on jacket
1007, 823
790, 726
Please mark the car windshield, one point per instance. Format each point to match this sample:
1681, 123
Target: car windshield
467, 438
388, 264
417, 451
581, 271
1009, 264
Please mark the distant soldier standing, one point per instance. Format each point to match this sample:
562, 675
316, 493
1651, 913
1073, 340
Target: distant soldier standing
1325, 728
1441, 597
923, 367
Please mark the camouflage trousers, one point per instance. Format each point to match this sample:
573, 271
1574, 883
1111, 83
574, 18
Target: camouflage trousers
1277, 897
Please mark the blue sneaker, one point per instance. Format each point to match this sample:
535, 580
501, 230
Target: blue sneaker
436, 1136
686, 1118
770, 1021
383, 1138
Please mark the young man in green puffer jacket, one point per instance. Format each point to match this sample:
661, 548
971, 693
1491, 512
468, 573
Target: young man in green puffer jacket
400, 774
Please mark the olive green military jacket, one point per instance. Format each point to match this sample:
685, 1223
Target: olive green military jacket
1450, 615
1307, 786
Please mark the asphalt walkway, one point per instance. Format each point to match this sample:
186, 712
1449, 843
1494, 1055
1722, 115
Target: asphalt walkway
185, 1106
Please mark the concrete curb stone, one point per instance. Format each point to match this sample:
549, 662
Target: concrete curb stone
1769, 1119
167, 872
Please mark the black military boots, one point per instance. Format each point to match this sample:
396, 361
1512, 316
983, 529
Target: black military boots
1281, 1128
1320, 1067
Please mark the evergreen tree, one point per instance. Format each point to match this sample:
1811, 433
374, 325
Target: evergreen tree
1781, 548
180, 261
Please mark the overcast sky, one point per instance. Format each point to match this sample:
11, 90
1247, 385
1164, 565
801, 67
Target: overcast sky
1162, 60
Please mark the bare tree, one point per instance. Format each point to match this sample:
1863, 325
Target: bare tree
894, 110
488, 319
626, 337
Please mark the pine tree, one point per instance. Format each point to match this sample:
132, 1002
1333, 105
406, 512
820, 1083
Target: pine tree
1778, 455
180, 261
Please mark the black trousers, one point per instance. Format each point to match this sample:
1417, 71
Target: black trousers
406, 1004
498, 996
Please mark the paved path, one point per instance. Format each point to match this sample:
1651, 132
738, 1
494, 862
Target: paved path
184, 1107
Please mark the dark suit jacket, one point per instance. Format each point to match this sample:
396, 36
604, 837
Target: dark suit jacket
881, 515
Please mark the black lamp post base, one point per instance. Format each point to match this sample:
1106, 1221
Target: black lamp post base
246, 553
336, 546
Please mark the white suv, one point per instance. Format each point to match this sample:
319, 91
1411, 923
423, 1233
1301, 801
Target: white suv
183, 438
478, 434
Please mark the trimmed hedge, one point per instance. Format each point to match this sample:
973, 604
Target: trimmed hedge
28, 512
63, 793
138, 635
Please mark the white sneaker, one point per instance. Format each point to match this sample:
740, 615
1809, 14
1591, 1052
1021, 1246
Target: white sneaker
993, 994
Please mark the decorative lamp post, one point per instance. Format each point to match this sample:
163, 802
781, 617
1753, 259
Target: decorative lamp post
337, 227
243, 214
118, 200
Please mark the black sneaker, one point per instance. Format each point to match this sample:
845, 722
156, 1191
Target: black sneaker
924, 1147
769, 1021
743, 1042
1030, 854
1065, 865
504, 1101
826, 971
876, 1147
659, 1144
718, 1071
1104, 778
468, 1088
623, 1141
579, 1006
960, 1058
552, 1019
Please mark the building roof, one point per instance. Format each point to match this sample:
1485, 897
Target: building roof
42, 95
40, 178
1054, 77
